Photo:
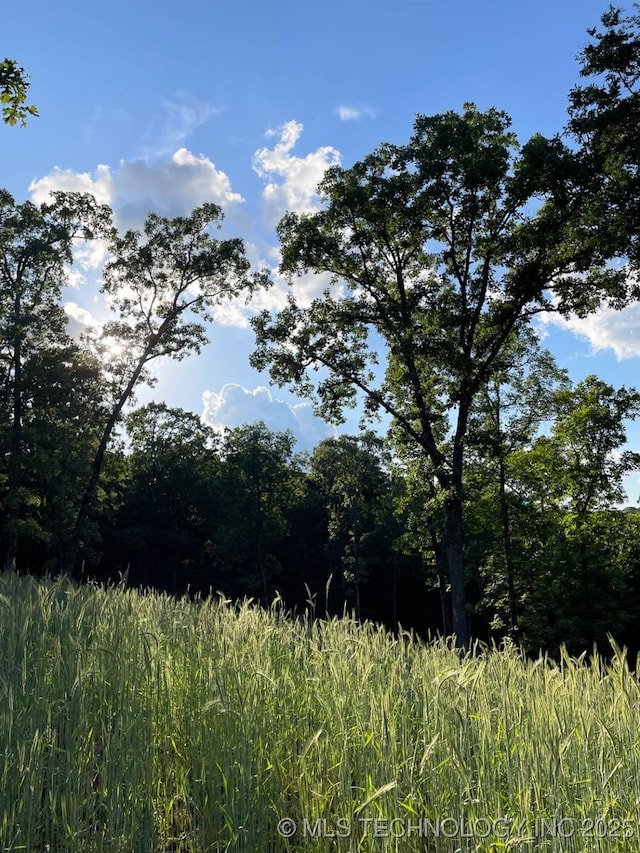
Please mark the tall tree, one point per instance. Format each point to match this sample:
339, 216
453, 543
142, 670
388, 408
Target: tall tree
438, 250
35, 248
163, 285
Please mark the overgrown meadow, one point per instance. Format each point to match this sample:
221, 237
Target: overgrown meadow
137, 722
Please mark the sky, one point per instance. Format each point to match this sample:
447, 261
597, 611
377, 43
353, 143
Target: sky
162, 106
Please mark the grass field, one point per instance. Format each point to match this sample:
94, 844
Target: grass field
136, 722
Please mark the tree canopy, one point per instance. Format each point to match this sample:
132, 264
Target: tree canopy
439, 251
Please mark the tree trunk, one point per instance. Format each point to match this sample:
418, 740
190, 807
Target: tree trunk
453, 537
357, 591
586, 591
455, 564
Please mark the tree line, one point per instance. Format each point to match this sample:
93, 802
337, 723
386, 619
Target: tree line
498, 481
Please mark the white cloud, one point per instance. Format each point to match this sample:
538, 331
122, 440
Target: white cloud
235, 312
91, 254
101, 186
346, 113
605, 329
80, 314
301, 175
235, 406
79, 319
74, 278
170, 187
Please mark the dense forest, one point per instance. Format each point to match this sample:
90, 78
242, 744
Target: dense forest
490, 508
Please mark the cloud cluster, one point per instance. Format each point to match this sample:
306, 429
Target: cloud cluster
170, 187
79, 319
235, 406
173, 186
80, 315
166, 177
297, 191
605, 329
66, 180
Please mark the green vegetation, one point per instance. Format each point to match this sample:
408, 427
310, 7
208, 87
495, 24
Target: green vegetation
440, 251
492, 506
14, 85
144, 723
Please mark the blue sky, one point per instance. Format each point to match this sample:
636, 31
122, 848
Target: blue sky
165, 105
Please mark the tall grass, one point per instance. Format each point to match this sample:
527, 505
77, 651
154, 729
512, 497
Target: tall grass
136, 722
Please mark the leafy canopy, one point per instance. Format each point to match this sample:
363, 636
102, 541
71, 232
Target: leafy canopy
14, 85
437, 251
